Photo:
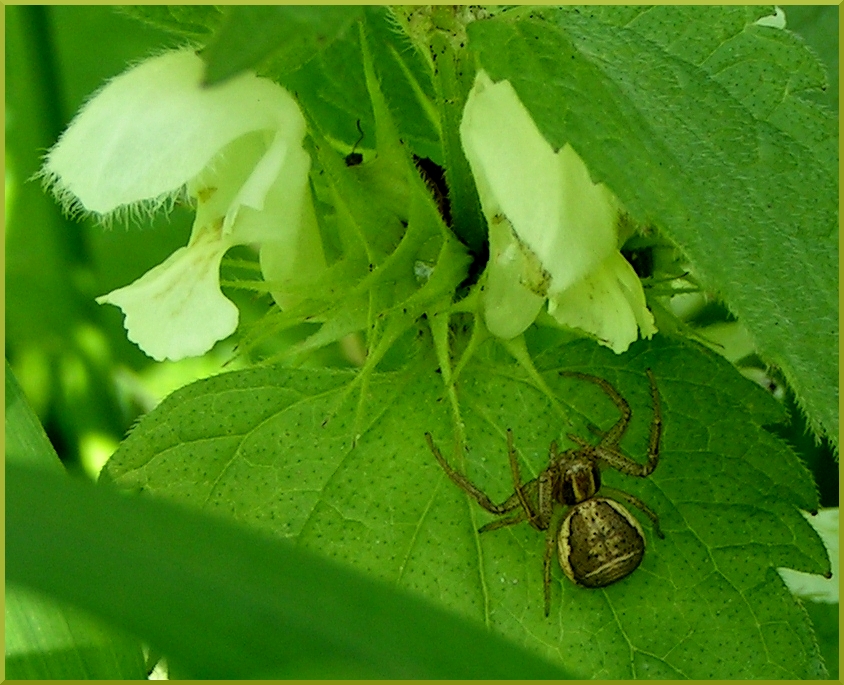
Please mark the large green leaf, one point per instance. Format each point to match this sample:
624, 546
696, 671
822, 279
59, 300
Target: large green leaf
225, 602
43, 639
694, 117
302, 454
288, 35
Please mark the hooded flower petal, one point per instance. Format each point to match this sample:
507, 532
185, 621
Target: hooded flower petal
561, 235
235, 148
176, 309
154, 128
567, 221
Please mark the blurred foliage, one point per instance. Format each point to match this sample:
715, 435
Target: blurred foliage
85, 381
290, 614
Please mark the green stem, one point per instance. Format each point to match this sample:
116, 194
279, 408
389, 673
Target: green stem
439, 32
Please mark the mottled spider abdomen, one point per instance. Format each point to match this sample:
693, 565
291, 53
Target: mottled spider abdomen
600, 542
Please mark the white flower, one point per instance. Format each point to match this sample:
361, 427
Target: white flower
155, 133
553, 232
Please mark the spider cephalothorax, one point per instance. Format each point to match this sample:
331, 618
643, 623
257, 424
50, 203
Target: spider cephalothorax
598, 541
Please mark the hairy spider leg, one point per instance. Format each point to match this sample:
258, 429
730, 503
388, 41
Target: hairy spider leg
465, 484
517, 479
608, 450
538, 519
520, 517
551, 537
614, 434
545, 498
656, 424
513, 502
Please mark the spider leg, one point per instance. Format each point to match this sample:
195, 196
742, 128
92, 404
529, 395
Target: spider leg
636, 502
614, 434
592, 428
577, 440
529, 490
536, 520
467, 486
609, 451
656, 424
551, 538
502, 523
545, 499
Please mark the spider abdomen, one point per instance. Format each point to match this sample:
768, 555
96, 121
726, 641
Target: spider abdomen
600, 543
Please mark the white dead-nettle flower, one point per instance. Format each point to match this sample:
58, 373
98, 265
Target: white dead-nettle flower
154, 134
553, 233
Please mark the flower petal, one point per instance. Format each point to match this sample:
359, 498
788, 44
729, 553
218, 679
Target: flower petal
609, 303
567, 221
511, 302
294, 259
155, 127
270, 203
176, 309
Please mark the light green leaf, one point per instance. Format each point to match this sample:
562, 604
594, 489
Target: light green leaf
744, 187
47, 640
303, 455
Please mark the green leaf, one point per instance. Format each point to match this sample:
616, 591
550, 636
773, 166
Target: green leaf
818, 24
46, 640
825, 622
346, 473
332, 88
288, 35
703, 152
768, 70
224, 602
26, 441
192, 21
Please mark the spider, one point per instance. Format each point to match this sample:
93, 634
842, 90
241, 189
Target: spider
598, 541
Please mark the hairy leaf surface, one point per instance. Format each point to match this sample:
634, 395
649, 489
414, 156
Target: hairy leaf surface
700, 129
